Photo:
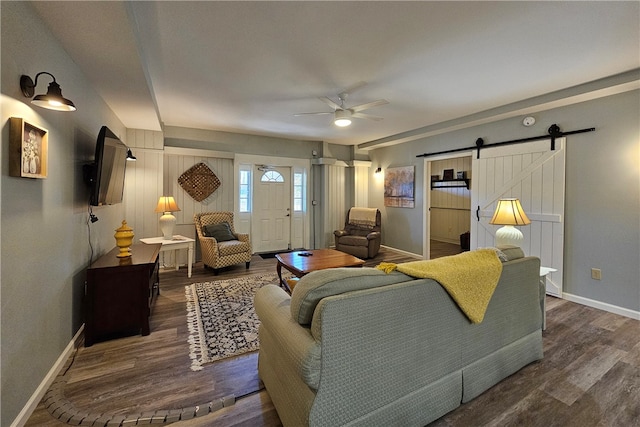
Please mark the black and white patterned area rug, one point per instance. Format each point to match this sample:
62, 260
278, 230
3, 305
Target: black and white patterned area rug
221, 319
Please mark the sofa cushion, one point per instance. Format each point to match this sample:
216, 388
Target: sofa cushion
323, 283
221, 232
354, 240
232, 247
510, 252
357, 231
507, 252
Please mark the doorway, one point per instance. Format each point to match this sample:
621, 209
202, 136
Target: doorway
448, 204
271, 219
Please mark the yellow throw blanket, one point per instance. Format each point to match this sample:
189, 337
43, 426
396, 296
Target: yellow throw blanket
470, 278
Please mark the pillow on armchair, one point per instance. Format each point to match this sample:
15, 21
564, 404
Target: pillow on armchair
221, 232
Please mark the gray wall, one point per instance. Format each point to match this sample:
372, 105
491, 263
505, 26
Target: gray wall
239, 143
43, 227
402, 228
327, 198
44, 236
602, 211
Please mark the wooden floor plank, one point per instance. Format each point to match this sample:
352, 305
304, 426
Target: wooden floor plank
590, 374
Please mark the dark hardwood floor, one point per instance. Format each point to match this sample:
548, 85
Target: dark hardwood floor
590, 375
439, 249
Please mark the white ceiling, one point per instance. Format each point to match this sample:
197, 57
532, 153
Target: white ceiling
248, 67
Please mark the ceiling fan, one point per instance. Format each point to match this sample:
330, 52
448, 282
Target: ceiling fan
342, 114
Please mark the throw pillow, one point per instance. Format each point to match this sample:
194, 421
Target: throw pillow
315, 286
221, 232
511, 252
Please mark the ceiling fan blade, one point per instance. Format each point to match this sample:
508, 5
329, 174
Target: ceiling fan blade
314, 114
366, 116
368, 105
351, 89
330, 103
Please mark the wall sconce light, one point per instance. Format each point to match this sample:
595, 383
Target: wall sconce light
53, 100
509, 212
166, 205
379, 170
130, 156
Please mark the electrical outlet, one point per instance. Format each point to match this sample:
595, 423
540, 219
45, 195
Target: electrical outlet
596, 274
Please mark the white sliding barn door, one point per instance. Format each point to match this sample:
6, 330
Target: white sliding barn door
534, 174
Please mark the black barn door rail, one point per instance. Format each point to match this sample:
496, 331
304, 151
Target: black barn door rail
554, 132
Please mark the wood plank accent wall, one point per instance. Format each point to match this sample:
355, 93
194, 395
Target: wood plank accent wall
176, 164
361, 186
155, 174
335, 202
143, 182
140, 138
450, 207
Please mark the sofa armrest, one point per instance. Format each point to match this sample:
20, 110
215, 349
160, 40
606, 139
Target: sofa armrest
297, 349
373, 235
209, 250
209, 244
340, 233
243, 237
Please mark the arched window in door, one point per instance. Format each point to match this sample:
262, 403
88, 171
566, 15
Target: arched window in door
272, 176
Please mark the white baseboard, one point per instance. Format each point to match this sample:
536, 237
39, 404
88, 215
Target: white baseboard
602, 306
403, 252
39, 393
445, 240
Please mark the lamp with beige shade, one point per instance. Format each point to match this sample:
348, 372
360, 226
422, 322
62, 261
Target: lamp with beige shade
167, 205
508, 213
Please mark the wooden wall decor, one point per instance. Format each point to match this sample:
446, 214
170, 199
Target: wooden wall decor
28, 149
199, 181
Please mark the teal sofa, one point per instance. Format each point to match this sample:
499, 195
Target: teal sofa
360, 347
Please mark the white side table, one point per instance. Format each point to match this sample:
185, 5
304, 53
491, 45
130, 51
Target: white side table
177, 243
543, 282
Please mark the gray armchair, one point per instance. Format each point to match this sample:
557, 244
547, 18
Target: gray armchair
361, 234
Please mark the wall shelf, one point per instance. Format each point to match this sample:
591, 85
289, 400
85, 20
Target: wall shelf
450, 183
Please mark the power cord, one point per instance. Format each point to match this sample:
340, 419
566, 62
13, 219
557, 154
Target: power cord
92, 219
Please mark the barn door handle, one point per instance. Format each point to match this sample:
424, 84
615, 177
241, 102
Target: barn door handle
478, 213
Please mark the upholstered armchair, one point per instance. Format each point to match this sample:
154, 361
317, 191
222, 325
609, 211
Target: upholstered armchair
361, 234
220, 245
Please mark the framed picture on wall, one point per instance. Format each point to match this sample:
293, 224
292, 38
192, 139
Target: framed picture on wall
28, 149
399, 187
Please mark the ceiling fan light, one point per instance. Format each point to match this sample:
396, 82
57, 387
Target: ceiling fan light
342, 118
342, 122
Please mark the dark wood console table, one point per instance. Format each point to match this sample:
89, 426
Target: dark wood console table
120, 293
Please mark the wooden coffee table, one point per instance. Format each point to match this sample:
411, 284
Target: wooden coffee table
319, 259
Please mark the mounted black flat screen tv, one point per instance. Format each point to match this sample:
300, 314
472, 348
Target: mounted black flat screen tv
106, 175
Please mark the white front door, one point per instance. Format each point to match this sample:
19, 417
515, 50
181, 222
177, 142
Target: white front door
271, 219
534, 174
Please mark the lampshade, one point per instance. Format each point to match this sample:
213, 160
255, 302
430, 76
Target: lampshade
167, 204
167, 221
53, 100
342, 118
509, 212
